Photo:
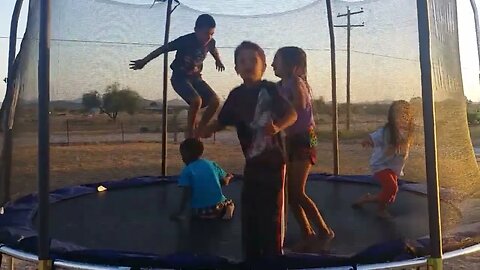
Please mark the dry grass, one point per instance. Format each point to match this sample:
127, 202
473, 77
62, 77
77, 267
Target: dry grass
88, 163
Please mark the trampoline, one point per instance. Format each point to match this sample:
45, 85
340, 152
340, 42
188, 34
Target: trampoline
128, 224
408, 50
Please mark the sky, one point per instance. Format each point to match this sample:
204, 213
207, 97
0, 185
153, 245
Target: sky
468, 51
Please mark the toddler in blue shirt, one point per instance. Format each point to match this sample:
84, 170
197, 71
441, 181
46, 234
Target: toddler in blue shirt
202, 181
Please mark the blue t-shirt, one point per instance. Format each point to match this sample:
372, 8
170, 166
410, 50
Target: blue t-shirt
203, 178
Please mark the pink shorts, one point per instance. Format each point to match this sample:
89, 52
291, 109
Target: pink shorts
388, 182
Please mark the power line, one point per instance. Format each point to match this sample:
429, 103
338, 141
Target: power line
220, 47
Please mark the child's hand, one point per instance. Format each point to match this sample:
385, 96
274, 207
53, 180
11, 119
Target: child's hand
271, 128
137, 64
367, 142
227, 179
219, 65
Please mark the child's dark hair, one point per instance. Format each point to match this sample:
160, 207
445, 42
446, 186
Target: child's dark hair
193, 147
248, 45
403, 107
205, 21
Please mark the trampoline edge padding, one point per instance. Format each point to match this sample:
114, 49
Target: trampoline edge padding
17, 232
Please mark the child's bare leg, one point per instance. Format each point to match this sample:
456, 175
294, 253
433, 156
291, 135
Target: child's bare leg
367, 198
313, 213
382, 210
298, 177
301, 217
212, 108
294, 190
195, 105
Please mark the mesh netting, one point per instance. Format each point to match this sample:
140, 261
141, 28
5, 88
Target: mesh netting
93, 41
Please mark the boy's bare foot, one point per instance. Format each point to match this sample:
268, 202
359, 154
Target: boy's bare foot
317, 244
302, 245
364, 199
331, 234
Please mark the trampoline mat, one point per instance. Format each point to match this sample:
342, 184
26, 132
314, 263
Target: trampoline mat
137, 220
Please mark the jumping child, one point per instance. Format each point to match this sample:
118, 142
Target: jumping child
290, 65
202, 182
391, 145
259, 113
187, 66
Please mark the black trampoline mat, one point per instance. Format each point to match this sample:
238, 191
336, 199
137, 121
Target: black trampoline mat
137, 220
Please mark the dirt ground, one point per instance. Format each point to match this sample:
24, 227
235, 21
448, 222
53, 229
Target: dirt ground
96, 153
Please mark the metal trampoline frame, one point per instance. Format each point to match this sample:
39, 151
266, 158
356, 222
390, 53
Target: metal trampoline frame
43, 258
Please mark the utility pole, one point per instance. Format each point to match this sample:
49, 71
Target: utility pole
349, 27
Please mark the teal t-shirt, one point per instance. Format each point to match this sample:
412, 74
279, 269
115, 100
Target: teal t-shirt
203, 178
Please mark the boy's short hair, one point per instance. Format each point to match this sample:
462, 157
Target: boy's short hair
205, 21
248, 45
192, 146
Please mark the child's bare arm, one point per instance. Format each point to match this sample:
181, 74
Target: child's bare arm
218, 61
287, 120
299, 94
215, 54
367, 142
140, 63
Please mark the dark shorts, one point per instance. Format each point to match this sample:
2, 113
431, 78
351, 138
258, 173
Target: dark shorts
218, 211
263, 211
190, 87
301, 146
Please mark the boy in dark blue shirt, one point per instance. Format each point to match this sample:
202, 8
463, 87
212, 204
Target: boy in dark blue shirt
202, 182
187, 66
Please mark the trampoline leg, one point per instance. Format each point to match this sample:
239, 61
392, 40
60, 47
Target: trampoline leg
45, 265
435, 263
8, 262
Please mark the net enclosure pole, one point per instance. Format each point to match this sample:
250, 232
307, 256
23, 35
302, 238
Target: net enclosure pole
333, 75
477, 27
44, 261
165, 89
5, 113
435, 260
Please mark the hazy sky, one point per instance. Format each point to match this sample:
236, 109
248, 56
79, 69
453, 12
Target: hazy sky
468, 50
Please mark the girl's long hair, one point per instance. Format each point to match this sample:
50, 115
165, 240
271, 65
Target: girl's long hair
399, 109
294, 60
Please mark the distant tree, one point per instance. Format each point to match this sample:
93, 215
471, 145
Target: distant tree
114, 100
320, 106
117, 100
91, 100
153, 104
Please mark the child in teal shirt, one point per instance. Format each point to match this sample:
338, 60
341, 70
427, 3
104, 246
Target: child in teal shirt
202, 181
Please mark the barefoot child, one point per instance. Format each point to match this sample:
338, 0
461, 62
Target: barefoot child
187, 67
259, 113
201, 181
391, 145
290, 65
